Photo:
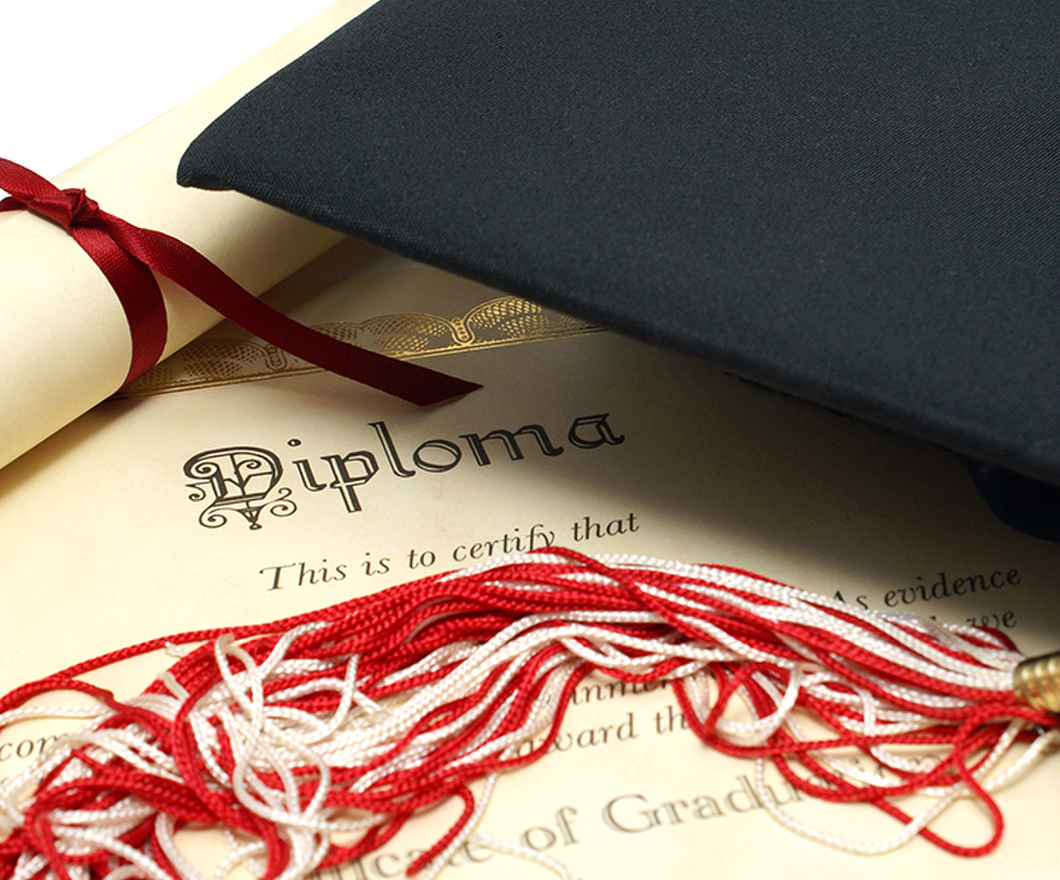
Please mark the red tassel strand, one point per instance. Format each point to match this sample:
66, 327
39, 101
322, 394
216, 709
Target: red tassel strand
344, 723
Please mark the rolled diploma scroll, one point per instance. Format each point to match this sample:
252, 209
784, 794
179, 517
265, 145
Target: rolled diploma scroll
64, 339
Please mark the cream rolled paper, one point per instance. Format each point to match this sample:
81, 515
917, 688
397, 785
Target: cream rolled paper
64, 339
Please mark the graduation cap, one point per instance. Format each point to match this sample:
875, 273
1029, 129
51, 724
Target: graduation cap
854, 202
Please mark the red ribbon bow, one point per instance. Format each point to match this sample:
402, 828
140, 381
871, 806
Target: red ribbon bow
127, 254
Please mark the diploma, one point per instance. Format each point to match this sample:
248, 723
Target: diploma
64, 342
321, 490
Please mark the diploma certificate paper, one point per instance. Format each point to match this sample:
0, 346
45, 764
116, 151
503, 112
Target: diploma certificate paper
64, 338
234, 485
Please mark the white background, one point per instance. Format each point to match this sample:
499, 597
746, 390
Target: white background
76, 76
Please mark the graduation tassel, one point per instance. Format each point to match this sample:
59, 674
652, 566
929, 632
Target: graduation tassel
310, 742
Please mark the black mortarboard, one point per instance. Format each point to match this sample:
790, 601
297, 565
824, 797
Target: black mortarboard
853, 202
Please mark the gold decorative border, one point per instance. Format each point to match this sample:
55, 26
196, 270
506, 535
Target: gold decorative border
506, 320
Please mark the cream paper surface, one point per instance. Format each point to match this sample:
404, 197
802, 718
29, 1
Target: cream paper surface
106, 540
64, 341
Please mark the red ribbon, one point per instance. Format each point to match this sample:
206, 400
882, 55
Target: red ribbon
127, 254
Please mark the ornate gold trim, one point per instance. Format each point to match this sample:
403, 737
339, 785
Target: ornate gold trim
506, 320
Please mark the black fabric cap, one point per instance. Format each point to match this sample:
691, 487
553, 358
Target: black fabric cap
853, 202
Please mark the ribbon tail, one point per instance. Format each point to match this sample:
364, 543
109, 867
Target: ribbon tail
192, 271
24, 185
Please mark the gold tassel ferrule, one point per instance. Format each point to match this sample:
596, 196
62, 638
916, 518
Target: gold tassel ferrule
1036, 682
